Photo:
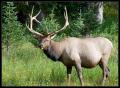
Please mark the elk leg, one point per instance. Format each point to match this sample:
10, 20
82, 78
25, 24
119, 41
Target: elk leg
79, 72
69, 69
105, 71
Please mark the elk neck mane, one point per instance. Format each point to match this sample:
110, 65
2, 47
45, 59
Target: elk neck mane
54, 50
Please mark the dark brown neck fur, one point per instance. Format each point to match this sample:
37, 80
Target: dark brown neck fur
54, 51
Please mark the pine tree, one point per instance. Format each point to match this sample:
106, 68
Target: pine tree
11, 28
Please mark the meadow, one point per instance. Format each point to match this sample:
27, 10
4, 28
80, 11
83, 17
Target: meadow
28, 66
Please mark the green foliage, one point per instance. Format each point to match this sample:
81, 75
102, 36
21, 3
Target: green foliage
108, 29
77, 27
89, 22
111, 9
11, 28
83, 25
49, 24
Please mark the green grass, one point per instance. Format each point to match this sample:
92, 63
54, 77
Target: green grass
28, 66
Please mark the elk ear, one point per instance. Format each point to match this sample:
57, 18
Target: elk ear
51, 35
48, 37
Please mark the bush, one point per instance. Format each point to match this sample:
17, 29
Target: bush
109, 28
83, 25
48, 24
76, 27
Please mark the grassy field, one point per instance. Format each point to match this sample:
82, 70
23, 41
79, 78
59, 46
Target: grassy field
28, 66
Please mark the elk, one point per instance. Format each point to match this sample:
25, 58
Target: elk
72, 51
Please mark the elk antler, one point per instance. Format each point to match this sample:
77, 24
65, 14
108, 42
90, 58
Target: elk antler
66, 24
31, 23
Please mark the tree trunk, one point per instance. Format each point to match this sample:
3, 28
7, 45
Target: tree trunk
8, 47
99, 12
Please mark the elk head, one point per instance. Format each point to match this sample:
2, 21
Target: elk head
45, 39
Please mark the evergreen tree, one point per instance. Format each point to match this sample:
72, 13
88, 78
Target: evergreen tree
11, 28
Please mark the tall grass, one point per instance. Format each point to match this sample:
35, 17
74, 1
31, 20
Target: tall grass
28, 66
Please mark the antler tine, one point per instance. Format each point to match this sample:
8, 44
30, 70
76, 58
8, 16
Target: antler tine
66, 16
36, 16
32, 11
31, 30
31, 23
66, 23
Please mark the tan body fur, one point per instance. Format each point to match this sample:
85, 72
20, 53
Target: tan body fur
88, 50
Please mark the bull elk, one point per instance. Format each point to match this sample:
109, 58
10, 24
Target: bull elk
72, 51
